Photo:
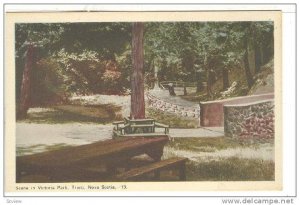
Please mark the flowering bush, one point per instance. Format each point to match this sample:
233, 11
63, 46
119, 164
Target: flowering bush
89, 73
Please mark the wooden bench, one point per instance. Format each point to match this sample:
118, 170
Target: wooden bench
139, 174
166, 127
137, 126
117, 124
145, 128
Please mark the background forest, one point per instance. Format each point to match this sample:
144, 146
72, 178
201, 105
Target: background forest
95, 58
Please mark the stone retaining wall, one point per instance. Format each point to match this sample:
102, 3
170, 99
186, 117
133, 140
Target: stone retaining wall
173, 108
252, 121
212, 112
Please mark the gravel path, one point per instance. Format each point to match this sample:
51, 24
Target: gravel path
29, 134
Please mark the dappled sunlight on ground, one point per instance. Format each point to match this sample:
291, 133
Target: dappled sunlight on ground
120, 100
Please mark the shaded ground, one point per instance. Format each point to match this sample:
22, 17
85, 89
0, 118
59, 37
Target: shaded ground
60, 114
121, 101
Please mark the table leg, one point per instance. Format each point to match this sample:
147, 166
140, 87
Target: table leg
182, 174
155, 153
157, 175
111, 169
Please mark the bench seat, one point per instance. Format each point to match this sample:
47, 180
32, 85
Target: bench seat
138, 174
142, 126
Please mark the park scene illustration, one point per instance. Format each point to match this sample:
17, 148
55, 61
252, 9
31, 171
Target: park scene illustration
144, 101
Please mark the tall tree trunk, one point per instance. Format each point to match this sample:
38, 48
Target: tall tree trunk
210, 82
137, 76
262, 56
246, 64
199, 86
258, 61
24, 103
225, 78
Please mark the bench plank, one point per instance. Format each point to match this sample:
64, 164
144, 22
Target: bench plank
157, 124
140, 134
118, 122
156, 167
142, 125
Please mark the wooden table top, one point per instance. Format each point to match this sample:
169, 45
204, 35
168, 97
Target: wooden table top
98, 150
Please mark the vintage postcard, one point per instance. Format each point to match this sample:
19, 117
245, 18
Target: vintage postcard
143, 101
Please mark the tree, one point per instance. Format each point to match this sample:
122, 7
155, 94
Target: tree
246, 63
253, 36
32, 41
26, 83
95, 57
137, 76
183, 47
89, 56
262, 42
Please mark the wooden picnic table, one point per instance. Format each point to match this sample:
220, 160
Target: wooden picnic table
110, 153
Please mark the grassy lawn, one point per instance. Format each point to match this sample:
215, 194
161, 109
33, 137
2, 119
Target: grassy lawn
220, 167
206, 144
231, 169
75, 113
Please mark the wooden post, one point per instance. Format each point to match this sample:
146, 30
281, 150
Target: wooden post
137, 76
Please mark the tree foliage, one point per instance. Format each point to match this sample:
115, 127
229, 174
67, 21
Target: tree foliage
96, 57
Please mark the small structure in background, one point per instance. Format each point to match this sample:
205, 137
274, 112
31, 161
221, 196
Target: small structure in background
138, 127
171, 89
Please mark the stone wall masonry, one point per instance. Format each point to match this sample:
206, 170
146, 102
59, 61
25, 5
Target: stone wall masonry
173, 108
212, 112
252, 121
